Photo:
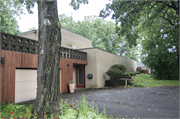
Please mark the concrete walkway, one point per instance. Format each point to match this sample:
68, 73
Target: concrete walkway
152, 102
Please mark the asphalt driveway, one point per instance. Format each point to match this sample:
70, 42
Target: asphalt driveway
151, 102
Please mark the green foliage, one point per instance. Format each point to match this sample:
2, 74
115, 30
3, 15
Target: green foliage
143, 71
137, 72
17, 109
9, 9
138, 84
126, 74
83, 110
131, 73
147, 81
3, 105
121, 67
133, 14
156, 23
102, 33
113, 83
76, 3
114, 74
71, 81
29, 4
161, 48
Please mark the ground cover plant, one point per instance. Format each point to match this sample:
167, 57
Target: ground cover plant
82, 109
145, 80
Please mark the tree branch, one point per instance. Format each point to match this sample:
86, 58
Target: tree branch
173, 6
167, 19
152, 7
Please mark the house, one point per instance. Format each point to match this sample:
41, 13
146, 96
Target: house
143, 67
19, 71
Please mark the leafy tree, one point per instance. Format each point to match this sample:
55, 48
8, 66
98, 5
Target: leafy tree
67, 22
156, 23
8, 10
102, 33
48, 98
161, 50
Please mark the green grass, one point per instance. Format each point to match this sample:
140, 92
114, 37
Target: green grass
144, 80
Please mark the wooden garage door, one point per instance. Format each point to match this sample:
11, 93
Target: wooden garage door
25, 84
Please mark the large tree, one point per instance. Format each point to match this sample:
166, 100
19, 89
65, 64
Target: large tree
48, 99
48, 58
156, 23
9, 9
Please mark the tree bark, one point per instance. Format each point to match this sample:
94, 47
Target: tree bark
47, 98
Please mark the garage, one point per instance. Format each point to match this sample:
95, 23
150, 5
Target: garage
25, 84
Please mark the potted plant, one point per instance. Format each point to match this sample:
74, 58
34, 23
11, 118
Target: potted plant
73, 46
71, 86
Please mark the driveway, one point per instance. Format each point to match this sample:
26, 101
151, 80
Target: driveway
149, 102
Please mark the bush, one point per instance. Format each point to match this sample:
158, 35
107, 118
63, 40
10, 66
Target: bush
121, 67
114, 74
137, 72
131, 73
113, 83
126, 74
143, 71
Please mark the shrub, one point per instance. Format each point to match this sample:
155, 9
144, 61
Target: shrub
126, 74
142, 71
113, 83
114, 74
121, 67
131, 73
84, 110
137, 72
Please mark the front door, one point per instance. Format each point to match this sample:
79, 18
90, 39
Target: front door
80, 77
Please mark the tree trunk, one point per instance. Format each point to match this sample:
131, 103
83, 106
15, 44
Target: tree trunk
47, 98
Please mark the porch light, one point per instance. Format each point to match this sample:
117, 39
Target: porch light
90, 76
68, 65
3, 61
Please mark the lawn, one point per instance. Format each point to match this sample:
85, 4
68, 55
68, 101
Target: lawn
146, 80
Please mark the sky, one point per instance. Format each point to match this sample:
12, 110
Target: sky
92, 8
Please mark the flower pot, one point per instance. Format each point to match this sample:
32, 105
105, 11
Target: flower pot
71, 87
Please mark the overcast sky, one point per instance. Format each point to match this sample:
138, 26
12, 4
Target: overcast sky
93, 8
